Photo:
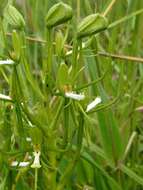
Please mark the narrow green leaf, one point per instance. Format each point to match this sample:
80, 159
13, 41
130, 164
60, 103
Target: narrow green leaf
131, 174
62, 76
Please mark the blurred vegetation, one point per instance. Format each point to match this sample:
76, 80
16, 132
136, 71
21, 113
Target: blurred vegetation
97, 150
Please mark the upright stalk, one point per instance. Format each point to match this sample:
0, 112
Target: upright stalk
65, 177
36, 178
49, 48
74, 58
66, 123
47, 67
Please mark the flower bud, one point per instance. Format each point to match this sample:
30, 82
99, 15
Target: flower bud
58, 14
13, 17
91, 24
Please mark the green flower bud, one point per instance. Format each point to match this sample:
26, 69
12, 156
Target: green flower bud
13, 17
58, 14
92, 24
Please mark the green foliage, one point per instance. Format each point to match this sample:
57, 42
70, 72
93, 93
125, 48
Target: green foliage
48, 78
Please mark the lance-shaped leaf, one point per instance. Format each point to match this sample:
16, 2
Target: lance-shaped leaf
91, 24
16, 44
63, 76
59, 40
14, 17
58, 14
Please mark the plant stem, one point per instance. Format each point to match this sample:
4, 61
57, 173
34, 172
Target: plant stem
109, 7
49, 60
78, 10
36, 179
70, 167
66, 123
74, 57
122, 57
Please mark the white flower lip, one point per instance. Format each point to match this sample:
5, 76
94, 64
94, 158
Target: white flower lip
7, 62
20, 164
74, 96
23, 164
28, 139
36, 163
93, 104
4, 97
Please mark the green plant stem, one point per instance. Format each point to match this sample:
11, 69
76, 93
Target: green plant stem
66, 122
123, 19
66, 175
3, 32
17, 97
55, 119
90, 83
78, 10
49, 48
74, 57
36, 178
109, 7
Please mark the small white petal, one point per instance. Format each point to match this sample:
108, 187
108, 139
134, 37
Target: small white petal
14, 163
6, 62
20, 164
93, 104
4, 97
75, 96
30, 124
23, 164
28, 139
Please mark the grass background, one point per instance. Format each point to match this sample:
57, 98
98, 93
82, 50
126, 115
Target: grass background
102, 150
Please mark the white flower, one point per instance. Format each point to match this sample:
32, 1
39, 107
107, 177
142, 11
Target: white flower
28, 139
4, 97
6, 62
20, 164
93, 104
36, 163
14, 163
23, 164
74, 96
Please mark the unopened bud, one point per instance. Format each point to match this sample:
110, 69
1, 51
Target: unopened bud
13, 17
58, 14
92, 24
